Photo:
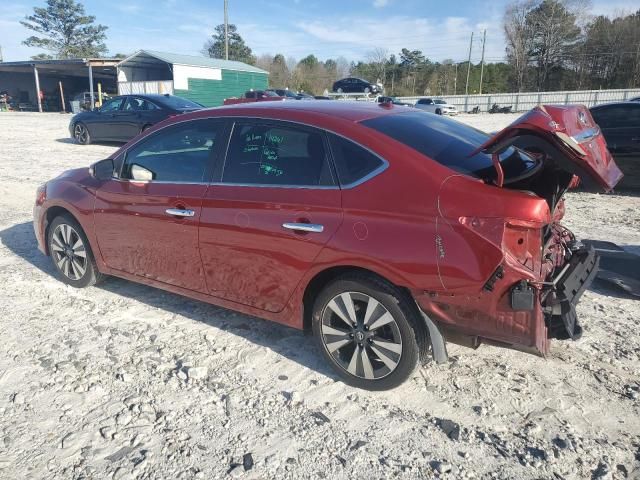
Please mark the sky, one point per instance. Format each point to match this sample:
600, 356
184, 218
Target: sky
326, 28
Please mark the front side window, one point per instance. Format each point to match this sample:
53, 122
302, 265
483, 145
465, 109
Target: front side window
353, 162
616, 116
135, 104
274, 155
111, 105
179, 153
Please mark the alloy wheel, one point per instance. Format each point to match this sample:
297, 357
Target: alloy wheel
69, 252
80, 133
361, 336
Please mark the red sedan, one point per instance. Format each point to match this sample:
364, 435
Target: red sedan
387, 231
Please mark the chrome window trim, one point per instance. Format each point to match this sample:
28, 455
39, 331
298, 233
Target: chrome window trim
268, 185
234, 118
155, 182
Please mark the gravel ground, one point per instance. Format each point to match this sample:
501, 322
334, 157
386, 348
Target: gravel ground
126, 381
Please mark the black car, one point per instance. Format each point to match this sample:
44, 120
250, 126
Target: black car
394, 101
355, 85
620, 124
119, 119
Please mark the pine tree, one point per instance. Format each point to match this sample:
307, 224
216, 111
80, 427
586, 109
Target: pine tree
65, 30
238, 50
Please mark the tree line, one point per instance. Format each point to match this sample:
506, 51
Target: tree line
550, 45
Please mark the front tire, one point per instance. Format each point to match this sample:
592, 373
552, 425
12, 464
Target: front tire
369, 331
339, 90
71, 253
438, 111
81, 134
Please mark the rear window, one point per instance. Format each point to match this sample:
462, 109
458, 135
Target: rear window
178, 103
450, 143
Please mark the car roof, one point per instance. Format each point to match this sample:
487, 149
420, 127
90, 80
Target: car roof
347, 110
614, 104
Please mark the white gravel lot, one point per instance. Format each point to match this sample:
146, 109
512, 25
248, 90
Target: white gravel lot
126, 381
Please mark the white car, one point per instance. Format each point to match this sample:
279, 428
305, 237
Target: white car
436, 105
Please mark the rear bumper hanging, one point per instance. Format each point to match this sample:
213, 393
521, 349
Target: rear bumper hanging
582, 269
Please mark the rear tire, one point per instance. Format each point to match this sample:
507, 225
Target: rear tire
369, 331
71, 253
81, 134
339, 90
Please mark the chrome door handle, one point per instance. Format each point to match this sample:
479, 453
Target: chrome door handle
177, 212
304, 227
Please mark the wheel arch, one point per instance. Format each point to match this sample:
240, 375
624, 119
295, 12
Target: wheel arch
324, 277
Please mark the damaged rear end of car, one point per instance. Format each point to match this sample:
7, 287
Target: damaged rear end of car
510, 273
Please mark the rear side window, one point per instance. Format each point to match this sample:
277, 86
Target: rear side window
276, 155
353, 162
179, 153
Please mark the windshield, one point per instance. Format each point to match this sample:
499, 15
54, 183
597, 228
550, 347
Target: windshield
178, 103
451, 143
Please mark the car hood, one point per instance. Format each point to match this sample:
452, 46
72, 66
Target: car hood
579, 145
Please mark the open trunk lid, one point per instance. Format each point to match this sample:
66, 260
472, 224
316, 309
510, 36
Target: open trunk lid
580, 147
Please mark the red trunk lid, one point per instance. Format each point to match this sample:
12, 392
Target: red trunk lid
572, 130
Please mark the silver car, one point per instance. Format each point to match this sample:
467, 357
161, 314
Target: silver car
436, 105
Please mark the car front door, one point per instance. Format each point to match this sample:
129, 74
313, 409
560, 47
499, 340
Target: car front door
146, 220
101, 122
272, 208
620, 126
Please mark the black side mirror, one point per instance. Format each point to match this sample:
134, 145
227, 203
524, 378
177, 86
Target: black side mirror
102, 170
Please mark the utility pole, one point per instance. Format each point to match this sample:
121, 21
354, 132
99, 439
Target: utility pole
455, 81
226, 30
466, 87
484, 40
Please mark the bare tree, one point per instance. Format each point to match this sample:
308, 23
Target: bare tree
519, 37
343, 67
378, 58
555, 37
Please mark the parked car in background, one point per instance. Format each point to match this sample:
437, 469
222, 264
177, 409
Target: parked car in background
356, 85
305, 225
393, 100
436, 105
122, 118
634, 99
252, 96
290, 95
620, 125
284, 92
84, 100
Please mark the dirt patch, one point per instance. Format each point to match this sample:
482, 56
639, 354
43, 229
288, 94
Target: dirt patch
126, 381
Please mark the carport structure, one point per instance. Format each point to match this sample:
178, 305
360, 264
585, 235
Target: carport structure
24, 80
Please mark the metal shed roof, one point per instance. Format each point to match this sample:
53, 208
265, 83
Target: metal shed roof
69, 66
143, 58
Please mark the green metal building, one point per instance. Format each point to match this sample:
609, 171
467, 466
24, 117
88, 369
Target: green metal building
207, 81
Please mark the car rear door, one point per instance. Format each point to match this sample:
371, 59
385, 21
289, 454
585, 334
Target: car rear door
146, 220
272, 208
